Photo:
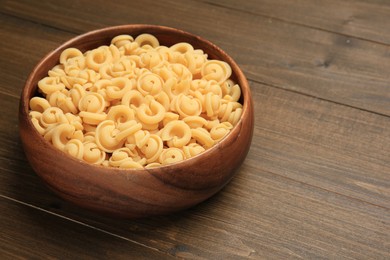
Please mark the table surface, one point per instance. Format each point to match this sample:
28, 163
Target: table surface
316, 181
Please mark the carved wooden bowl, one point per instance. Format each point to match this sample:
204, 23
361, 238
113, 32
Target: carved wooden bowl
137, 193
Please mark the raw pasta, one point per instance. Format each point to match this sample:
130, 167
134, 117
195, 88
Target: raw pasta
135, 103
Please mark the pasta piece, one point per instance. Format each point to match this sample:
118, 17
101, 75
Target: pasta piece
147, 39
106, 133
149, 84
186, 106
118, 87
171, 155
152, 148
127, 129
176, 133
216, 70
220, 131
203, 137
49, 85
151, 112
98, 57
93, 154
193, 149
62, 134
75, 148
195, 121
39, 104
122, 40
121, 114
68, 54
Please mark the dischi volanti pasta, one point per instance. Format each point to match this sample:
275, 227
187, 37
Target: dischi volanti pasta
136, 103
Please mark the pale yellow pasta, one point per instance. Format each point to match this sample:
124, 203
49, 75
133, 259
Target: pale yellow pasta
129, 48
163, 99
234, 94
127, 129
171, 155
195, 121
57, 71
135, 103
139, 138
202, 136
176, 133
235, 116
174, 87
124, 67
152, 148
49, 85
92, 102
89, 75
181, 72
168, 117
92, 118
39, 104
93, 154
182, 47
121, 114
62, 134
89, 137
195, 62
122, 40
147, 39
75, 148
216, 70
220, 131
151, 59
149, 84
151, 112
186, 106
98, 57
120, 156
211, 104
76, 93
106, 133
63, 101
193, 149
70, 81
36, 121
118, 87
68, 54
129, 164
73, 66
52, 116
74, 120
152, 165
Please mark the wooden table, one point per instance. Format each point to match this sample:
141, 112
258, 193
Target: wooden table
316, 182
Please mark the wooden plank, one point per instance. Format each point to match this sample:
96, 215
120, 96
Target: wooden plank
349, 17
342, 69
28, 233
257, 215
22, 49
336, 148
293, 197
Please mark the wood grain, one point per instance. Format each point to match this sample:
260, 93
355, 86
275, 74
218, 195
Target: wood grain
34, 230
316, 181
276, 196
331, 66
351, 17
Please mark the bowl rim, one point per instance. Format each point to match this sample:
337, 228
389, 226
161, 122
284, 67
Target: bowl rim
29, 89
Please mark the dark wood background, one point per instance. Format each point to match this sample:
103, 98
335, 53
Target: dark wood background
316, 182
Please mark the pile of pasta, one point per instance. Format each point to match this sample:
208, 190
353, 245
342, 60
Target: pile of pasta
136, 103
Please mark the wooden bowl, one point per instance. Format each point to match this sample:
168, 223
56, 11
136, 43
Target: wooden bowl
134, 193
